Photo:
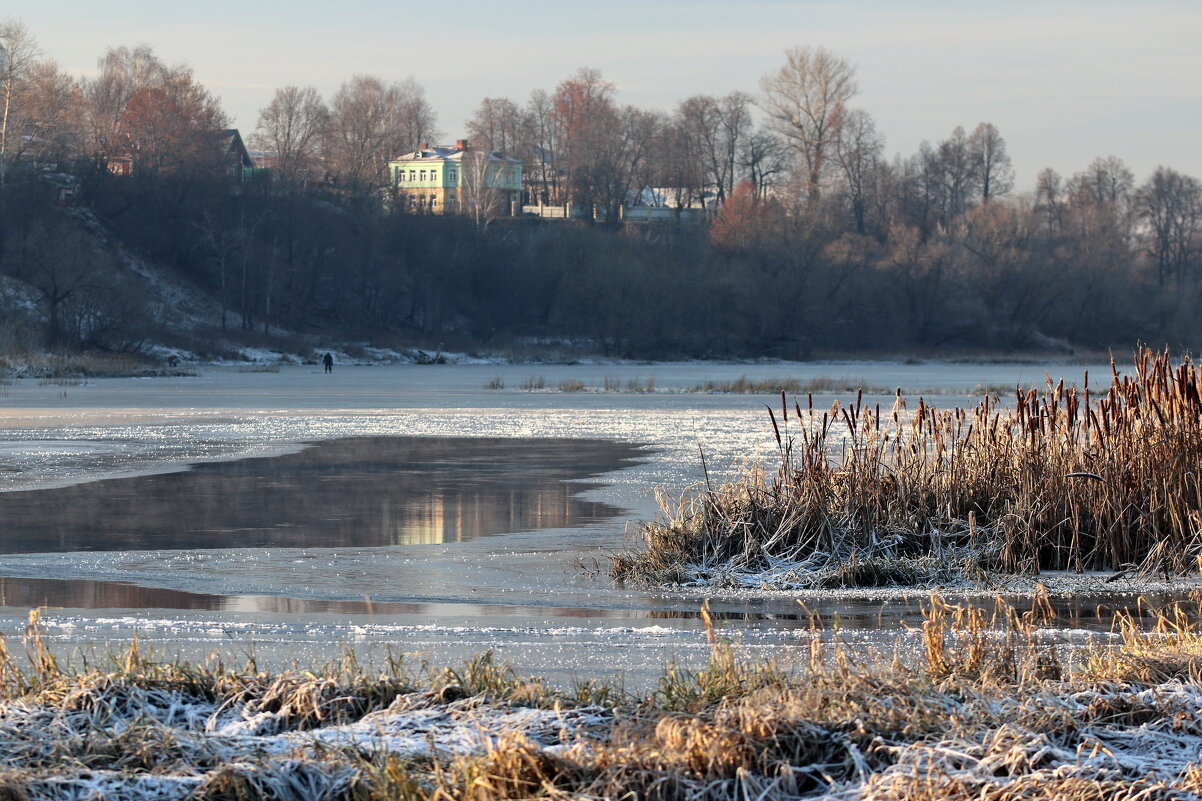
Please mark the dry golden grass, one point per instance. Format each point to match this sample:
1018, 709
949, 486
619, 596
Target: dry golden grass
861, 495
61, 368
985, 707
744, 385
989, 710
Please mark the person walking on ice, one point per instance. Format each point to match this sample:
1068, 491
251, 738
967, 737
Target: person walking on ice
328, 361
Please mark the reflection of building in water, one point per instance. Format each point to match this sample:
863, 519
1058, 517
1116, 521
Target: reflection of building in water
444, 517
414, 524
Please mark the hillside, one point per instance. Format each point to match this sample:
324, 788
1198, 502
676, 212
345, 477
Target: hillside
118, 312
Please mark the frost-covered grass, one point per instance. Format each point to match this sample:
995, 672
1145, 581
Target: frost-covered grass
142, 728
868, 497
69, 369
988, 706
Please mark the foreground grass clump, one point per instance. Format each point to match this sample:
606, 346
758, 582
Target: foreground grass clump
1060, 481
981, 703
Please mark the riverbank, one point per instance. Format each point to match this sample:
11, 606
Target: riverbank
269, 354
986, 705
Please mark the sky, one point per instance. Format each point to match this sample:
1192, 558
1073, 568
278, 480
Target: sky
1063, 80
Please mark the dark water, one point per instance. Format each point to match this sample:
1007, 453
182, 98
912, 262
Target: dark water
358, 492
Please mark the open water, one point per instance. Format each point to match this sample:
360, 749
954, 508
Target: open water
408, 509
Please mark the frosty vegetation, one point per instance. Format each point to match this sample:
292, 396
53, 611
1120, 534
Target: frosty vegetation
1061, 480
985, 704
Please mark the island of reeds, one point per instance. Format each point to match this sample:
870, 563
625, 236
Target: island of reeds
1062, 479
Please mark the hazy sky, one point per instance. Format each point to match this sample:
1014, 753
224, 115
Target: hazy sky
1063, 81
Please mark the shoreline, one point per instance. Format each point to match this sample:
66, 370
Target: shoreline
981, 704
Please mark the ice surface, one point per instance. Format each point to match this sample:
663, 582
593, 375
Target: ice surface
431, 594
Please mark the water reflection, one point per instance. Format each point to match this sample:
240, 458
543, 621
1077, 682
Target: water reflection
848, 616
368, 491
86, 594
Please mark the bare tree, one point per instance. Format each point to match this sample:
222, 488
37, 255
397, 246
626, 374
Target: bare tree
1049, 198
60, 261
858, 152
804, 101
735, 125
18, 54
764, 157
716, 129
677, 164
1107, 181
416, 120
586, 123
602, 148
219, 245
957, 174
172, 127
482, 198
228, 244
122, 73
372, 121
640, 129
500, 124
292, 126
54, 113
1170, 204
991, 162
698, 118
542, 167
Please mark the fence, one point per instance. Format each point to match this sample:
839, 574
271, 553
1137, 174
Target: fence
632, 214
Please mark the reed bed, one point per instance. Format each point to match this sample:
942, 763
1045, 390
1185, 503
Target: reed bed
830, 385
985, 703
744, 385
75, 365
1060, 480
631, 386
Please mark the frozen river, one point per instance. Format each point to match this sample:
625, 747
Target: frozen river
482, 545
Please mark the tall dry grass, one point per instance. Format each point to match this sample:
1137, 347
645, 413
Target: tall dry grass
1061, 479
988, 709
56, 367
744, 385
985, 704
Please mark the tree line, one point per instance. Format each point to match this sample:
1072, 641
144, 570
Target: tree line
820, 243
